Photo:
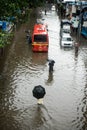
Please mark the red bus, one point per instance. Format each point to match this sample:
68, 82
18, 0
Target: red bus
40, 40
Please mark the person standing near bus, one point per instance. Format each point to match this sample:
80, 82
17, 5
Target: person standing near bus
45, 11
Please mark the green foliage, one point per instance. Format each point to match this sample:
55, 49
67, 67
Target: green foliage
5, 38
11, 7
14, 8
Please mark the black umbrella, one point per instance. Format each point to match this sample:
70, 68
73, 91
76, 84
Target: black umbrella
51, 64
39, 92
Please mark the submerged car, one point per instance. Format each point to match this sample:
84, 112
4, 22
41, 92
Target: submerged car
66, 41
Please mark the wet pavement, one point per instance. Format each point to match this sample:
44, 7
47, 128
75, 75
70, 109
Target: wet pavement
65, 102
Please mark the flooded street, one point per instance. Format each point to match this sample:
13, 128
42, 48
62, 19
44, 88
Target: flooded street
65, 102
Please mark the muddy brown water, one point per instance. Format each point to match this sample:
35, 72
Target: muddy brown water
65, 102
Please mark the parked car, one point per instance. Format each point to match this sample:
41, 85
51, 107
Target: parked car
65, 22
66, 28
62, 32
53, 8
66, 41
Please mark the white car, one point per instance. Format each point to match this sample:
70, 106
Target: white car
66, 41
64, 32
53, 8
66, 28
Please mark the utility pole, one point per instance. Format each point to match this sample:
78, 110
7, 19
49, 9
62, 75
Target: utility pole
80, 21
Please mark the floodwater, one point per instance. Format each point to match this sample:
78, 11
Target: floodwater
65, 102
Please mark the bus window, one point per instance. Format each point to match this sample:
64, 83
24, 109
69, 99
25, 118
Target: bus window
40, 38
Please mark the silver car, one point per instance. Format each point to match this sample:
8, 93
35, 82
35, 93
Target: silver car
66, 41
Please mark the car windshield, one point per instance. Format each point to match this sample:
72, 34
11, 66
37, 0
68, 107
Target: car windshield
66, 39
66, 30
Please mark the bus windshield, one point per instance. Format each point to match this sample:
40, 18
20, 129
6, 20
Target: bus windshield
40, 38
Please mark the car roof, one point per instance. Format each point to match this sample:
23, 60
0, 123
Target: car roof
66, 36
66, 26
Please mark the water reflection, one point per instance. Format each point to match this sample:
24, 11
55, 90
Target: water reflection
50, 78
36, 117
39, 118
84, 109
39, 58
7, 120
81, 120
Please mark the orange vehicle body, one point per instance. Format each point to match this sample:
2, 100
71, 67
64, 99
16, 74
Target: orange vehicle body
40, 40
